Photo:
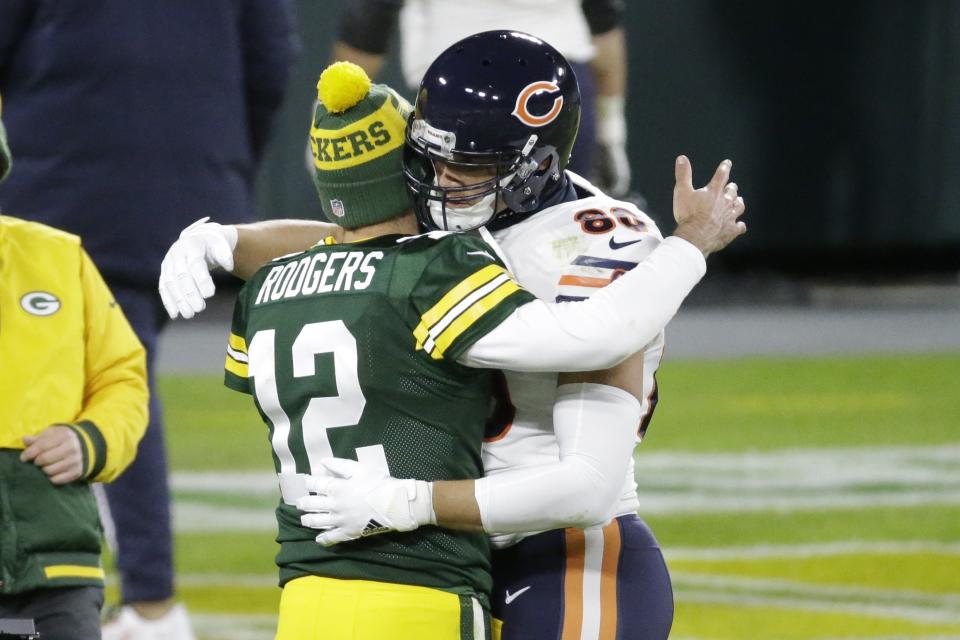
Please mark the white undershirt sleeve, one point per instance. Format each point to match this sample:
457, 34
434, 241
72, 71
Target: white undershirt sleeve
616, 322
596, 427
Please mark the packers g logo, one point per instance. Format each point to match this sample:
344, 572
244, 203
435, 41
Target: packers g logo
522, 112
40, 303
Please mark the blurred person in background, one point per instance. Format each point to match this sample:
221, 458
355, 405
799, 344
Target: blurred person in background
73, 406
127, 118
587, 32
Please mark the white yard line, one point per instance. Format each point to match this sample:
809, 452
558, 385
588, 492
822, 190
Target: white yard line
234, 626
683, 483
880, 610
196, 517
867, 595
811, 550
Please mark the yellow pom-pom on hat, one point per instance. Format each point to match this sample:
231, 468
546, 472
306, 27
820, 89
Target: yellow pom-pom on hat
342, 85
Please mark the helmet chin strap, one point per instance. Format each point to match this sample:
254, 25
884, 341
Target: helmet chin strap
467, 217
463, 218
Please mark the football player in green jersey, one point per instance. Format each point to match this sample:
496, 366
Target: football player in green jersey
356, 348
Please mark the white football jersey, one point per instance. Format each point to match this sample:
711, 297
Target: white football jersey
427, 27
567, 253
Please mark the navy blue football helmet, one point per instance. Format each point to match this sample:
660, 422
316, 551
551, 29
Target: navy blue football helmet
501, 104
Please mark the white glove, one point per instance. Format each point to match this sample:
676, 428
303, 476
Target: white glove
354, 501
185, 271
614, 168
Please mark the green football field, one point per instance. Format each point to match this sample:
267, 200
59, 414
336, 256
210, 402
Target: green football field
802, 498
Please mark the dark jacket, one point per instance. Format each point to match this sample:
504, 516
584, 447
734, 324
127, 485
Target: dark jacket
129, 119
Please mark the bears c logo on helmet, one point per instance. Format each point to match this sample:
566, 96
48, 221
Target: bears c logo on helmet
522, 112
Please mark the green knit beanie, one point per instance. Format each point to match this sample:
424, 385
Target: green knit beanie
5, 158
357, 141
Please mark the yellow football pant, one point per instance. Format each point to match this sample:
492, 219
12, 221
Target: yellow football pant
315, 608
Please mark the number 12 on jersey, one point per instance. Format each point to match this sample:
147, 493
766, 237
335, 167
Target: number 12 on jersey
341, 410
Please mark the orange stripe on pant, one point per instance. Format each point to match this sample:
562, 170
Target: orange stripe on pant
608, 581
573, 585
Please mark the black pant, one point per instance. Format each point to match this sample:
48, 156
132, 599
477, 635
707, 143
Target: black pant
60, 613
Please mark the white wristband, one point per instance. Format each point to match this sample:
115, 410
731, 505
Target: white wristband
611, 120
421, 503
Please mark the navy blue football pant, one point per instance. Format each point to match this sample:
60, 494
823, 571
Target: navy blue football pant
581, 158
607, 583
140, 498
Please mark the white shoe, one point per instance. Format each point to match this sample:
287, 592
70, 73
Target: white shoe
130, 625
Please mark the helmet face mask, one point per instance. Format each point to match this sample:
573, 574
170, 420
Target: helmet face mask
499, 112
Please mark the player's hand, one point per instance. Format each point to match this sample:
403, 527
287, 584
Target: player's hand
185, 271
354, 501
613, 169
56, 450
707, 217
612, 164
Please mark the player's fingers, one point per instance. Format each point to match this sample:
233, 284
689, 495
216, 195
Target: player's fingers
164, 288
334, 536
188, 289
194, 225
739, 206
67, 468
200, 275
730, 190
172, 286
55, 452
341, 467
65, 477
167, 300
317, 483
319, 520
683, 173
36, 446
720, 176
31, 452
315, 504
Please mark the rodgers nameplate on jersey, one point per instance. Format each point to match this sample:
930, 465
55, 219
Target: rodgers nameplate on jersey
350, 351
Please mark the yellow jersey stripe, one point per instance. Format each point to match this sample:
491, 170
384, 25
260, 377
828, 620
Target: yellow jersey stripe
237, 342
466, 319
236, 368
429, 342
72, 571
466, 286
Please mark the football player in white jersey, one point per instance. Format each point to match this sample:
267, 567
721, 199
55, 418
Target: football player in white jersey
496, 118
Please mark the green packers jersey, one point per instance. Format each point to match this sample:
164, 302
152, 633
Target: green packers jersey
350, 351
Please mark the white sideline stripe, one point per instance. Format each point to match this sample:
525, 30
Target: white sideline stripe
199, 517
811, 550
239, 482
240, 580
680, 503
829, 592
793, 468
234, 626
914, 614
679, 483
